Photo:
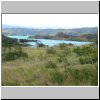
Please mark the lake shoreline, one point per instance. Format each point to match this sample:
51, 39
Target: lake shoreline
50, 42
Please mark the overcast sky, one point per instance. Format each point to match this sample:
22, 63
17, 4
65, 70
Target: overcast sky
51, 20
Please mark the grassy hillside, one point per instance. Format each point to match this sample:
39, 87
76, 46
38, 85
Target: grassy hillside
63, 65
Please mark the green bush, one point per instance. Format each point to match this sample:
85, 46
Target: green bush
62, 46
94, 80
88, 54
40, 45
51, 50
66, 51
50, 64
78, 51
87, 75
87, 59
70, 44
81, 76
12, 53
76, 76
63, 59
57, 78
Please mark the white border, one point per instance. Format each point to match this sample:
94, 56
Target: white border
98, 50
0, 50
51, 0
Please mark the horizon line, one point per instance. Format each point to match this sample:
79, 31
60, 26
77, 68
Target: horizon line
30, 27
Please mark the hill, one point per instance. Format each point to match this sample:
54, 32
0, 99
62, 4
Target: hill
62, 36
30, 31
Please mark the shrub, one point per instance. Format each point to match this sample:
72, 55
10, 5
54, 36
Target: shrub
87, 75
60, 59
12, 53
76, 74
94, 80
51, 50
66, 51
78, 51
63, 59
62, 46
70, 44
50, 64
57, 77
87, 59
87, 54
40, 45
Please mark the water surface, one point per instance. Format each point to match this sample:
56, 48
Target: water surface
50, 42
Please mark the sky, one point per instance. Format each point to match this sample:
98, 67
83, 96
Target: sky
54, 21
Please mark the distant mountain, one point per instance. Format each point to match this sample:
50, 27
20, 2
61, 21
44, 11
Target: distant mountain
8, 26
5, 26
62, 36
19, 31
14, 30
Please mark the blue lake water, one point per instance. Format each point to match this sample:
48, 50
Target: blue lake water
50, 42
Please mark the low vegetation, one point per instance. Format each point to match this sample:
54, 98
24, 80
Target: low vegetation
63, 65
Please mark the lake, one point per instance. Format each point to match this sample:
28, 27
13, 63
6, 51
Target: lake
50, 42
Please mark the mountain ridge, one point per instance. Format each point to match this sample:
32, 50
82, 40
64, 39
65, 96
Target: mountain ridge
31, 31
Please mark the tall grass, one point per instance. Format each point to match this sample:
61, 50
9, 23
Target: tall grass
63, 65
